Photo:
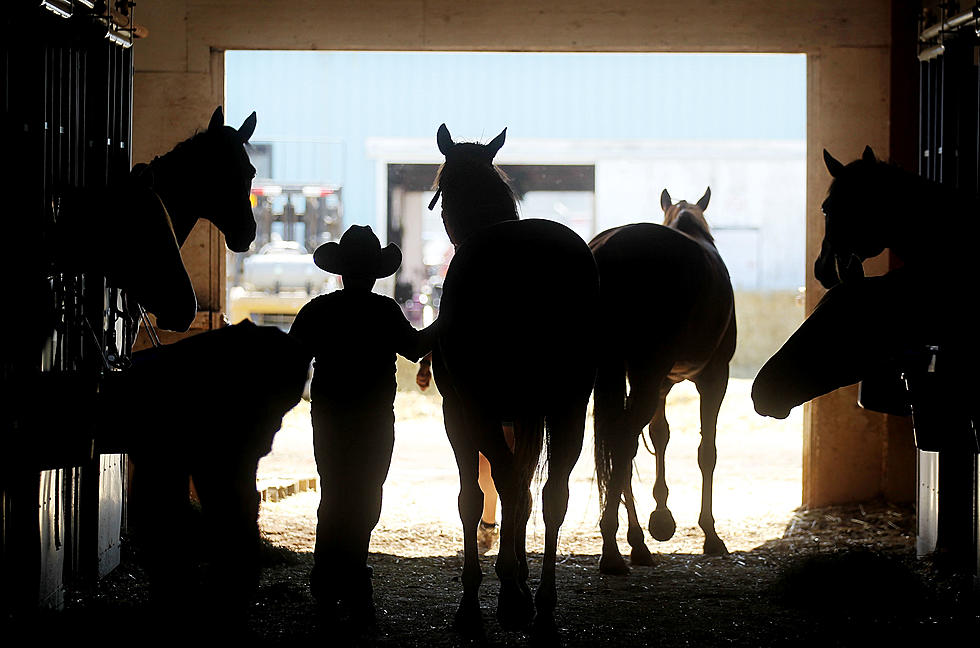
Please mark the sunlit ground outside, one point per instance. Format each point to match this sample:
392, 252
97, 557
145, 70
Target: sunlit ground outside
757, 481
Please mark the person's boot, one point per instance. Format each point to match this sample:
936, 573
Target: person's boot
361, 598
486, 536
325, 591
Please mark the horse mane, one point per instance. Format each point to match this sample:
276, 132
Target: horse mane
465, 174
913, 211
899, 188
475, 195
692, 223
182, 153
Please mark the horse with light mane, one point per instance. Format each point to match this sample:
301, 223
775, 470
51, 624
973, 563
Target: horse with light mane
668, 315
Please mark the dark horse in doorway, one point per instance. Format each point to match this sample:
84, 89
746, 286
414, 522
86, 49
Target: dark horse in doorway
523, 290
872, 326
668, 315
132, 233
206, 407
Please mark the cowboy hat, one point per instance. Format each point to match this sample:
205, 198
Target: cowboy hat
359, 252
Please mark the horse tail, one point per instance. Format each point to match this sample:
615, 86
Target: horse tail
529, 436
609, 405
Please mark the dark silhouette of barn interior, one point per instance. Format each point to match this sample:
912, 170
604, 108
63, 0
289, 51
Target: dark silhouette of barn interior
92, 87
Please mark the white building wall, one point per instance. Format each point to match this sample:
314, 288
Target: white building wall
756, 209
758, 191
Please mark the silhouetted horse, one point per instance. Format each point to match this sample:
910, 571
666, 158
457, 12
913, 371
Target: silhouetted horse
668, 315
867, 327
206, 407
132, 232
515, 289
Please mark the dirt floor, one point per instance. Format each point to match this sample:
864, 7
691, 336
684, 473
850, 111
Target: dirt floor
843, 576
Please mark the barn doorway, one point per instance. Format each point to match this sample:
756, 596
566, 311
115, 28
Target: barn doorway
595, 138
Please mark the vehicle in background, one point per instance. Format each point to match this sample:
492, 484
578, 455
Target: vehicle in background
277, 276
282, 266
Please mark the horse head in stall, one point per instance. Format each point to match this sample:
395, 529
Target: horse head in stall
132, 231
860, 221
209, 176
873, 205
854, 230
679, 326
879, 327
550, 273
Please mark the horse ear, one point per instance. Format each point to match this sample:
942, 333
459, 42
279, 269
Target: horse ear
868, 155
247, 127
496, 143
217, 119
665, 201
444, 139
833, 165
703, 203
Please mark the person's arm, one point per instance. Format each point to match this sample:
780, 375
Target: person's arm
300, 329
426, 340
413, 343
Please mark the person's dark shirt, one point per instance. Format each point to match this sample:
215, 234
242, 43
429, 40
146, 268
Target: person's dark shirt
354, 336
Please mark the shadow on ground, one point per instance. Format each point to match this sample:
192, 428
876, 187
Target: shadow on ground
846, 576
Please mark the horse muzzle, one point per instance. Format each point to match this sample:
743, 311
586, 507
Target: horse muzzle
240, 241
850, 268
825, 271
832, 269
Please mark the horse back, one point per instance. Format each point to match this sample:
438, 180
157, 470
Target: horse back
664, 291
523, 291
234, 383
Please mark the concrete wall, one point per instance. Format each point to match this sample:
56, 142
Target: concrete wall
179, 80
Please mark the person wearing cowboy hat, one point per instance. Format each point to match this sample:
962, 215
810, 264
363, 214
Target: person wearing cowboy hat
353, 335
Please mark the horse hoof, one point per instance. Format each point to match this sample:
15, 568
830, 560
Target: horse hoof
545, 631
515, 608
468, 621
662, 525
613, 564
641, 556
715, 547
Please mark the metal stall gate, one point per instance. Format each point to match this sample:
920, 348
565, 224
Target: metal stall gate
949, 153
67, 118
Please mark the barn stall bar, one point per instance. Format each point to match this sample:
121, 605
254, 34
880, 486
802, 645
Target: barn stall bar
948, 483
68, 88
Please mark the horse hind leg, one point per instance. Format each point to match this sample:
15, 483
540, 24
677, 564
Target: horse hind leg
639, 555
512, 475
468, 619
662, 525
614, 446
566, 432
712, 385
